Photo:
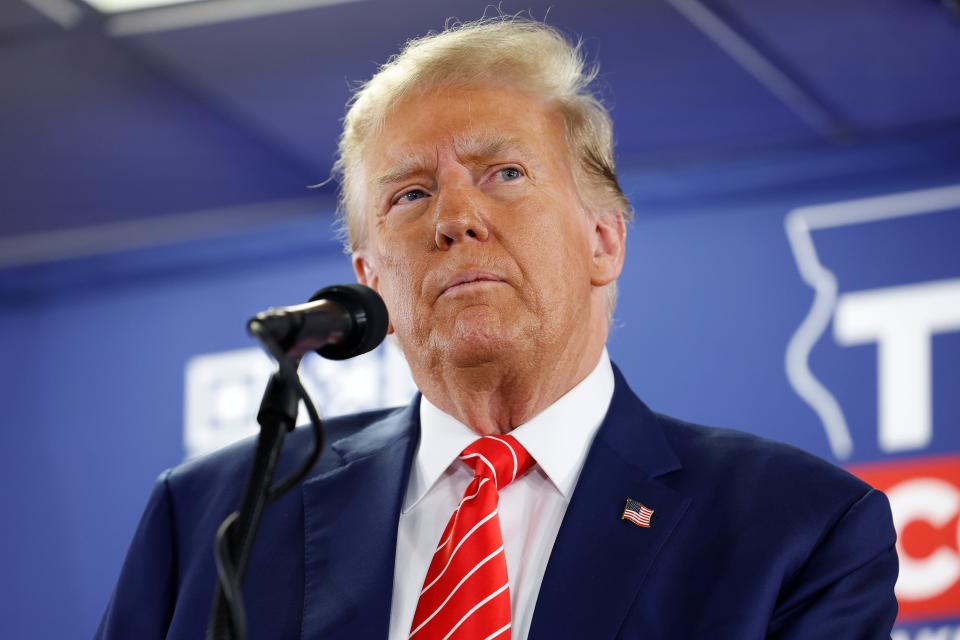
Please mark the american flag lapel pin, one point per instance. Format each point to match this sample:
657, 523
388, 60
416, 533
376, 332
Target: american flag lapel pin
637, 513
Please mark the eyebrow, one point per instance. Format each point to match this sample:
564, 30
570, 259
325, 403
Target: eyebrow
404, 168
467, 147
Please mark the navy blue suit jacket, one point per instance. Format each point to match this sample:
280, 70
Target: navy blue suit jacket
749, 539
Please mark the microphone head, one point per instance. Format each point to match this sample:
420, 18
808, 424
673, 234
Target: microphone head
369, 314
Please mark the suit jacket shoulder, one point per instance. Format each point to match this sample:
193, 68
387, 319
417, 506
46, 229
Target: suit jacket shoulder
166, 585
749, 538
756, 479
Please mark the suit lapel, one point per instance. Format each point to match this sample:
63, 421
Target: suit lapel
599, 561
350, 531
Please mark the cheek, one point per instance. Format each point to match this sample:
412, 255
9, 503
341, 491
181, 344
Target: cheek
400, 283
558, 241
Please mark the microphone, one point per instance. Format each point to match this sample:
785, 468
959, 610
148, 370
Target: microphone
338, 322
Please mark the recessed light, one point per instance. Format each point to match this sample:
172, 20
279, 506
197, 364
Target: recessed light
119, 6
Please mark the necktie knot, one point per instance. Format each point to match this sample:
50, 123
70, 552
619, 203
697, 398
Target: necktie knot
501, 459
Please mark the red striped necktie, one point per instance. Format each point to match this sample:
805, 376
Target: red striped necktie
466, 595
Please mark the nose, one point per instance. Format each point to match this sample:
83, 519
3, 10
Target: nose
459, 217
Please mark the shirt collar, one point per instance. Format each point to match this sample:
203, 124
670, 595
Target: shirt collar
558, 437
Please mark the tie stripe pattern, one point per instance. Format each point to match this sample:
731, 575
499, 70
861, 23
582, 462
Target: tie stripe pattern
465, 594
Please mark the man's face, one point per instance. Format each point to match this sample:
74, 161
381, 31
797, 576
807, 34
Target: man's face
476, 235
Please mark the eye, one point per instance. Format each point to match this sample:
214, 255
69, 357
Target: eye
410, 196
508, 174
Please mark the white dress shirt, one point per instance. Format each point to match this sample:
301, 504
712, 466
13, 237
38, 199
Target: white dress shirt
531, 508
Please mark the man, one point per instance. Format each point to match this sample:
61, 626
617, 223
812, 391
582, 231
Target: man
527, 493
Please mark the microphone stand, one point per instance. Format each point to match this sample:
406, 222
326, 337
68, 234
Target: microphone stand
354, 312
236, 534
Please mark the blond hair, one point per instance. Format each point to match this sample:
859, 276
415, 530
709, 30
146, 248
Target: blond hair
500, 50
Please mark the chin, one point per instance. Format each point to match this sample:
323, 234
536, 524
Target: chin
475, 354
477, 336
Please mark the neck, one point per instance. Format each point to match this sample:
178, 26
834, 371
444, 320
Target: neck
497, 396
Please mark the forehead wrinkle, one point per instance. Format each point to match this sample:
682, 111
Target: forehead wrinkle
485, 145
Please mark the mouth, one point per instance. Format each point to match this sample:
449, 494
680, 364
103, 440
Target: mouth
469, 280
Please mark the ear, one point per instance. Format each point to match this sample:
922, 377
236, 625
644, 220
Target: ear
364, 270
609, 247
366, 273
